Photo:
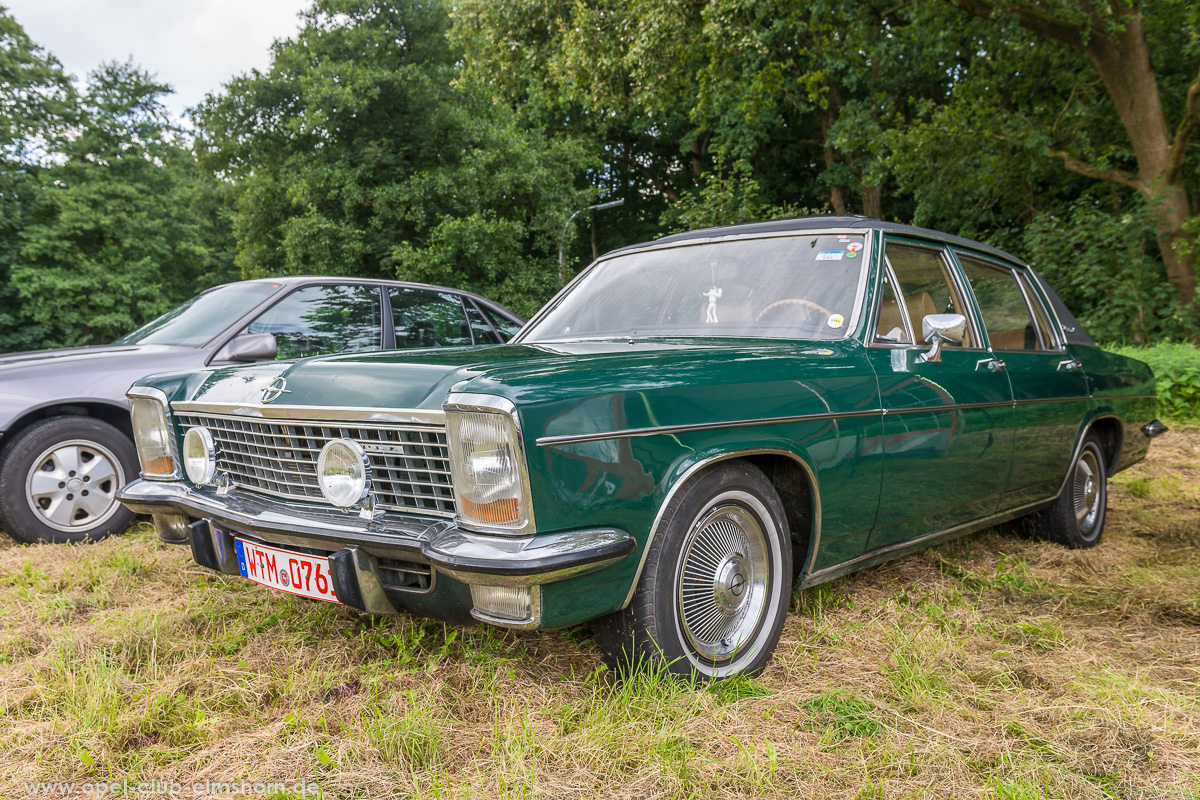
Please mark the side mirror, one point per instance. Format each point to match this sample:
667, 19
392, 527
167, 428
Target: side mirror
250, 347
939, 329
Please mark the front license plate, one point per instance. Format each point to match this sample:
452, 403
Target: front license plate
297, 573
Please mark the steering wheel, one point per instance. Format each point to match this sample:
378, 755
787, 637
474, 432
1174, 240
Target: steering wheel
794, 301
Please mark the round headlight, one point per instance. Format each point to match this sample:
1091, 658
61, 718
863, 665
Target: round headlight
199, 456
343, 472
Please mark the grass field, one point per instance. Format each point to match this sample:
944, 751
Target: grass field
990, 667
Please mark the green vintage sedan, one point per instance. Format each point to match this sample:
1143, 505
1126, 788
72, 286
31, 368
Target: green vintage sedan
690, 429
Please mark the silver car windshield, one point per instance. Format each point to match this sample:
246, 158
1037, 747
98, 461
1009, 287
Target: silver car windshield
198, 321
796, 287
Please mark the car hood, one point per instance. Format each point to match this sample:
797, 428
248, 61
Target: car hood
694, 378
40, 378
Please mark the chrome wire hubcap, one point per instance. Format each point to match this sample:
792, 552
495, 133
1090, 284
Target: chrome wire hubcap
73, 485
1087, 492
723, 581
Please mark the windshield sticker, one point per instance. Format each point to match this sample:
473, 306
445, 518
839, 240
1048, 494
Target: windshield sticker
829, 255
854, 247
712, 295
852, 254
836, 320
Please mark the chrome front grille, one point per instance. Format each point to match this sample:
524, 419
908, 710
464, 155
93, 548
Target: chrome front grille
410, 464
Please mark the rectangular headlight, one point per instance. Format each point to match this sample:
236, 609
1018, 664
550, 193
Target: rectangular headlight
487, 463
152, 435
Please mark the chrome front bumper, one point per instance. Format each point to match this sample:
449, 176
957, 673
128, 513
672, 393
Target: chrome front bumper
469, 557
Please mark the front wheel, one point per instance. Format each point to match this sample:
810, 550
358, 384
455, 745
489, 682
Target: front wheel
1076, 519
714, 590
59, 479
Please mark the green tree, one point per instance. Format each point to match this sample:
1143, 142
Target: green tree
358, 153
126, 226
36, 103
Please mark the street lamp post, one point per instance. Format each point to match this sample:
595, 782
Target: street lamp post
562, 240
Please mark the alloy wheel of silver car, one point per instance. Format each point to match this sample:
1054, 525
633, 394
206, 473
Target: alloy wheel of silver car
72, 485
59, 477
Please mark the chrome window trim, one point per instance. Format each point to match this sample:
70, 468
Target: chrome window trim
491, 403
889, 275
682, 480
856, 315
410, 416
152, 393
1032, 297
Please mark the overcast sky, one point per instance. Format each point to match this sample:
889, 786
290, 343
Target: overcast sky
194, 45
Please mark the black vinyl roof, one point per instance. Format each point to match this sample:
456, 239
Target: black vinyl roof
802, 224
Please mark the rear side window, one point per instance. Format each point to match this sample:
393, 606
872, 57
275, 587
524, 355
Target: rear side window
479, 326
428, 319
1001, 300
503, 324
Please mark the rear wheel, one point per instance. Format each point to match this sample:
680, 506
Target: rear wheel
714, 590
59, 478
1076, 518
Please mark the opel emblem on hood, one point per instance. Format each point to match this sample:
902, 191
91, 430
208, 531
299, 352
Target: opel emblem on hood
276, 390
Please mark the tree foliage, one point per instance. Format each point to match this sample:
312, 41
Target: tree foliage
359, 153
127, 226
452, 143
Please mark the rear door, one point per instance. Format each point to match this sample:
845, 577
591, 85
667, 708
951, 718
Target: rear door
1049, 387
948, 426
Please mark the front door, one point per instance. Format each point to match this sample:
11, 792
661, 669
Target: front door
1049, 387
948, 425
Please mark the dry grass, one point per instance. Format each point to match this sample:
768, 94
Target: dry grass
992, 667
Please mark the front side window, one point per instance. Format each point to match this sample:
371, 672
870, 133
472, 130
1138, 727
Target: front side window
794, 287
428, 319
924, 287
1006, 314
318, 320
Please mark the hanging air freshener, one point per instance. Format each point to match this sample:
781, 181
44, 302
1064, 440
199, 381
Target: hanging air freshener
712, 295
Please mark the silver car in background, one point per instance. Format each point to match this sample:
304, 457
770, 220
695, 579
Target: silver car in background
66, 442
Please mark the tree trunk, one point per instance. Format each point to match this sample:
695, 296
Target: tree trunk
873, 201
1123, 64
837, 198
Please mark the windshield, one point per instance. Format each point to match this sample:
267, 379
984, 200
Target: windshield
201, 319
795, 287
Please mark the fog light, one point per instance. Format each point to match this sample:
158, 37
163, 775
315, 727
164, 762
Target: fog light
343, 472
505, 604
199, 456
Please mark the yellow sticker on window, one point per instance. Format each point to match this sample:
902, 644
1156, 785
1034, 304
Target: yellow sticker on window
836, 321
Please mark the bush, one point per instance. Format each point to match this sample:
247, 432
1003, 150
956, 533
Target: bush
1177, 375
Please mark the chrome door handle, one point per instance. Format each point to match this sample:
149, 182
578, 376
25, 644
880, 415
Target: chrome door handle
994, 364
1070, 365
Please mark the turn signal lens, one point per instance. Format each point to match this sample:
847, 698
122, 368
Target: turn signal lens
153, 437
